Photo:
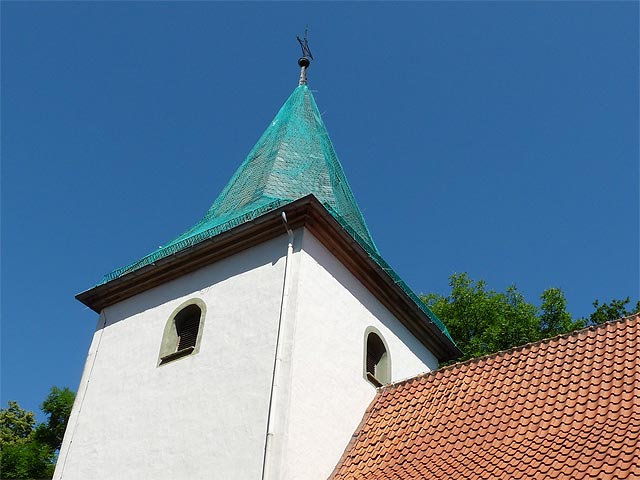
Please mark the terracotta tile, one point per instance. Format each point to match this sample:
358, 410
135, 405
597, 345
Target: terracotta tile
566, 407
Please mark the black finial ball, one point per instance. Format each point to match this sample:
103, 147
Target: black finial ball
304, 62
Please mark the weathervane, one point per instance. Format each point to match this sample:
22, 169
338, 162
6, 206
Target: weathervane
304, 61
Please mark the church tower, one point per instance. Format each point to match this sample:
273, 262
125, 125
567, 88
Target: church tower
251, 345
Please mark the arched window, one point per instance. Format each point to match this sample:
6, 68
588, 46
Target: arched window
377, 363
183, 331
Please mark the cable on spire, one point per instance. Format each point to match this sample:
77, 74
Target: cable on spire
306, 58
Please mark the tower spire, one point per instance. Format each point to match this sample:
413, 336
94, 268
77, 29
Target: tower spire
304, 61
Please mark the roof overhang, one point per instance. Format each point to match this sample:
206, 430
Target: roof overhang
306, 212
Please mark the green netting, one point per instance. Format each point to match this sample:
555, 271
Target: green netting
293, 158
376, 257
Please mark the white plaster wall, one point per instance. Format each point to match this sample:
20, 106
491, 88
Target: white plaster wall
328, 395
205, 416
202, 416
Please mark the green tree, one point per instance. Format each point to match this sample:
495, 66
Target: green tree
605, 312
27, 450
27, 460
16, 423
554, 318
483, 321
57, 407
21, 455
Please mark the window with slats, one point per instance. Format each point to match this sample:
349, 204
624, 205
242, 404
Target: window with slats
181, 333
187, 326
377, 365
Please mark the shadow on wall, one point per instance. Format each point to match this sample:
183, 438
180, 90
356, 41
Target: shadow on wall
270, 253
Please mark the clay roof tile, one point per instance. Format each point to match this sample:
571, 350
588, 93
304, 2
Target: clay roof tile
565, 407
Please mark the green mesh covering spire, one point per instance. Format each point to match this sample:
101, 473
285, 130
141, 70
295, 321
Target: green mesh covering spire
293, 158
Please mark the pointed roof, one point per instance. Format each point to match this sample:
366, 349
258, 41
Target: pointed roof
292, 165
293, 158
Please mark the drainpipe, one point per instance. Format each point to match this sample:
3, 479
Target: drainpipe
273, 396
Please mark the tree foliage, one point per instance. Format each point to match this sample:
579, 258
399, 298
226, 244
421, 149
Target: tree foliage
16, 424
554, 318
57, 408
28, 451
483, 321
610, 311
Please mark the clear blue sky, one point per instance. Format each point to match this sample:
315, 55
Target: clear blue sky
499, 139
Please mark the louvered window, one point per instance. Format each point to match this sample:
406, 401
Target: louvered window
187, 329
181, 333
377, 366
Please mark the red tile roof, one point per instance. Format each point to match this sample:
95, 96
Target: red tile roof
563, 408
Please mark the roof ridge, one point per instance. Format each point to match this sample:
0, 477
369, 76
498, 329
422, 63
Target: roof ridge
507, 351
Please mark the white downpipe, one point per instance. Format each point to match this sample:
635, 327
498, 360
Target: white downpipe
70, 432
268, 447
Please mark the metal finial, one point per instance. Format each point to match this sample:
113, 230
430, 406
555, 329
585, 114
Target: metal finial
304, 61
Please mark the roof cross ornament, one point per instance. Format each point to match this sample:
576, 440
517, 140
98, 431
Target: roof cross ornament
304, 61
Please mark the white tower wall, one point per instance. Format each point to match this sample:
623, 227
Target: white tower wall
205, 415
328, 393
201, 416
